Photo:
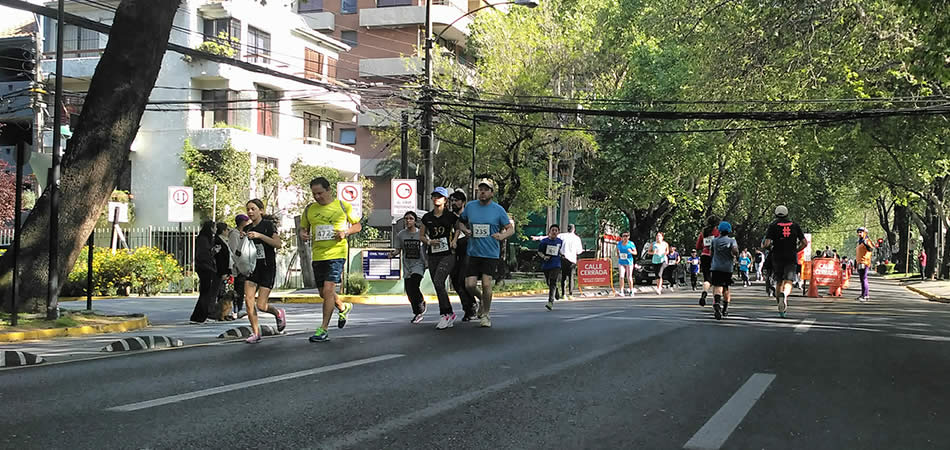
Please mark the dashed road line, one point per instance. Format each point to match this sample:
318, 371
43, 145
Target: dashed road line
721, 425
592, 316
804, 326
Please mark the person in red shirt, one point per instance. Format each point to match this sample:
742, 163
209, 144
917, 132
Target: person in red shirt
922, 259
703, 244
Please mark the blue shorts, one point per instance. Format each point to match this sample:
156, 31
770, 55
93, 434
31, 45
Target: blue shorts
329, 270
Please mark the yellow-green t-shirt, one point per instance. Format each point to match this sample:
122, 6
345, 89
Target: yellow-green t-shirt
323, 221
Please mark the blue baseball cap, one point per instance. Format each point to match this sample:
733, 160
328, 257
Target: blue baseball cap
441, 191
725, 227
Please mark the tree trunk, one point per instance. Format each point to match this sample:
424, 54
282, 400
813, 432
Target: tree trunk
98, 149
901, 228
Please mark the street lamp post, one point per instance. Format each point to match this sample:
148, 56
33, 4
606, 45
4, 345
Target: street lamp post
52, 294
428, 132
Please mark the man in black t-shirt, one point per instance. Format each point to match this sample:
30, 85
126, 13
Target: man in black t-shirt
458, 200
785, 238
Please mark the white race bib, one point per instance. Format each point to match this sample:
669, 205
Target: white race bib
324, 233
552, 250
481, 230
439, 245
623, 256
260, 250
707, 241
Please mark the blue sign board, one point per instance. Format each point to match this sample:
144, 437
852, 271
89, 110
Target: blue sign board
378, 265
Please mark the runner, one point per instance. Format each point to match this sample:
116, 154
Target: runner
259, 284
241, 221
724, 253
785, 240
745, 264
864, 251
693, 262
572, 248
673, 260
550, 251
488, 224
626, 261
328, 221
659, 250
413, 264
759, 259
703, 244
438, 233
460, 244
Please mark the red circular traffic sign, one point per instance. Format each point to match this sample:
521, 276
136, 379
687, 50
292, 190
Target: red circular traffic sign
404, 190
349, 193
180, 196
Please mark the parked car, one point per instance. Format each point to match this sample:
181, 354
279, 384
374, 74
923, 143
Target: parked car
645, 273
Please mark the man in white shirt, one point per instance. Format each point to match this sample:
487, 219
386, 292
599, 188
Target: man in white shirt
570, 250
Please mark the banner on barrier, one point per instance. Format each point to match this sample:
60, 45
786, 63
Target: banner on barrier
826, 272
594, 272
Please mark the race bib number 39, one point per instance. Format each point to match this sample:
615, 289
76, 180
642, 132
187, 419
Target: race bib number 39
551, 250
481, 230
324, 233
440, 245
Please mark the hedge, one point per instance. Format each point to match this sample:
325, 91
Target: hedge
144, 271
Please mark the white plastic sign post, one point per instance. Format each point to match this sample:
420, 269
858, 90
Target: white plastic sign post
181, 204
351, 193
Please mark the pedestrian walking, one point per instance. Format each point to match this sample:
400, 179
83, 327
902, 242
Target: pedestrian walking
785, 240
864, 252
659, 250
550, 252
725, 250
704, 245
922, 261
570, 251
673, 260
438, 233
223, 264
745, 264
241, 222
207, 273
626, 257
409, 245
460, 244
328, 222
693, 262
759, 261
259, 284
488, 224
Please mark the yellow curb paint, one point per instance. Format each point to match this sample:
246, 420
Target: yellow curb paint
128, 325
928, 295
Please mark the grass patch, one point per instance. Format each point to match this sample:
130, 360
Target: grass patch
27, 322
897, 276
518, 286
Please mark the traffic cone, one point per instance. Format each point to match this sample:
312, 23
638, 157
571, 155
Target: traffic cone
835, 291
813, 289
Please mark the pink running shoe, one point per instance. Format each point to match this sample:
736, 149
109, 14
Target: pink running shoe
254, 339
281, 320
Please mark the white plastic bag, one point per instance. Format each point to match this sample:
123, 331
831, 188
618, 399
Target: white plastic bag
245, 257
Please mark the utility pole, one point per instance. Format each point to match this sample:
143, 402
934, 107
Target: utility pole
425, 142
52, 294
404, 147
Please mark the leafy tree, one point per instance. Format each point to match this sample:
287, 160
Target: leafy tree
229, 169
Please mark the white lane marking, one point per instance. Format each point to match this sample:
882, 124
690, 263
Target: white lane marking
246, 384
804, 326
924, 337
721, 425
592, 316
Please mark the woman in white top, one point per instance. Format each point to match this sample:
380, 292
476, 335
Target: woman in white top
660, 250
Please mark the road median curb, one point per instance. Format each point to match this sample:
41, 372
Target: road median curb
928, 295
32, 335
386, 299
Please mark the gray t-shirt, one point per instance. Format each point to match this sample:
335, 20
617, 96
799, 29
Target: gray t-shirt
722, 259
413, 254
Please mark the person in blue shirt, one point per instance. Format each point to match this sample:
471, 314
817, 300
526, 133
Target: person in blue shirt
724, 254
745, 263
549, 249
626, 256
487, 224
693, 262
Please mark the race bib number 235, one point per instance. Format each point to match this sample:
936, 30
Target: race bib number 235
481, 230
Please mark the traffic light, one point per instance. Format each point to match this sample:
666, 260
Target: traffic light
880, 242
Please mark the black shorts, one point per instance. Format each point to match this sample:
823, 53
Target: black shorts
784, 271
705, 264
721, 279
660, 269
328, 270
263, 275
477, 267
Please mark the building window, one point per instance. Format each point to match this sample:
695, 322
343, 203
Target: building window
311, 128
348, 136
331, 68
313, 64
310, 6
348, 38
75, 39
225, 31
258, 46
215, 107
385, 3
268, 104
348, 7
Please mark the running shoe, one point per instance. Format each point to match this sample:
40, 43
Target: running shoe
717, 310
320, 335
549, 305
281, 320
659, 291
446, 321
342, 315
423, 308
781, 314
468, 317
702, 298
255, 338
485, 321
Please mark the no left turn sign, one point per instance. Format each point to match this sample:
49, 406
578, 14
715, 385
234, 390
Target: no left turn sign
351, 193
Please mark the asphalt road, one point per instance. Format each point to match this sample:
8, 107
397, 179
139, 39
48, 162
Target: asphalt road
648, 372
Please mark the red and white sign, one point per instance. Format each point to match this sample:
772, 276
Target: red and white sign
825, 272
594, 272
181, 204
403, 197
351, 193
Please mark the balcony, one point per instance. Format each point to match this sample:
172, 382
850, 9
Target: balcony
320, 21
76, 63
311, 151
401, 16
390, 67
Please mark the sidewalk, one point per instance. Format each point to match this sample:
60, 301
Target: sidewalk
938, 291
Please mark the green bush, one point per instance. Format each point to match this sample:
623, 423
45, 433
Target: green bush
356, 285
884, 269
145, 270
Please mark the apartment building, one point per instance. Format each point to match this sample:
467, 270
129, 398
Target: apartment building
385, 38
276, 120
